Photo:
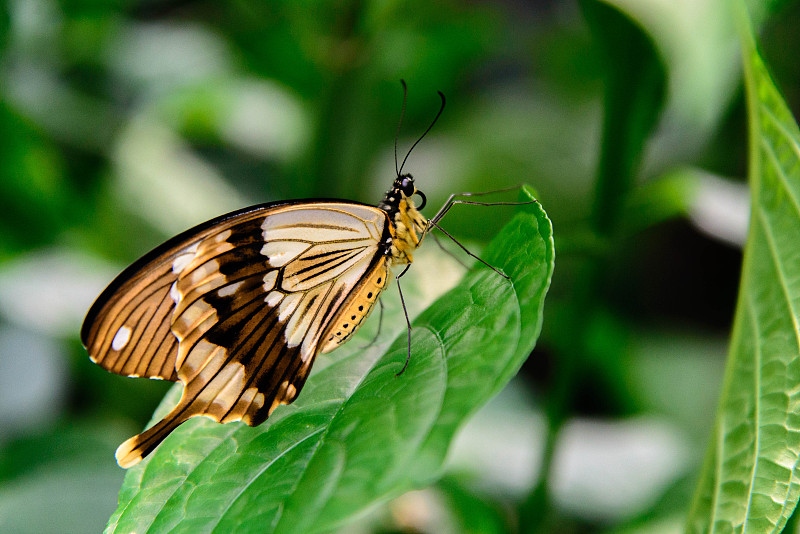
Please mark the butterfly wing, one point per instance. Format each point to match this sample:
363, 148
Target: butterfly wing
127, 329
246, 299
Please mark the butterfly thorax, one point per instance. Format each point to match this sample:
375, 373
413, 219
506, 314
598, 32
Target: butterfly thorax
408, 224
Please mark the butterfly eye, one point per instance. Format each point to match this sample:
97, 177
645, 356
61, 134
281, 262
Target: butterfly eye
407, 185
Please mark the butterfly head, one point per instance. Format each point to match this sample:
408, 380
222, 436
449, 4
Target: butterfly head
399, 196
409, 225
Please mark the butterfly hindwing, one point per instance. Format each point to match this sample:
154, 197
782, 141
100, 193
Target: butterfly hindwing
249, 299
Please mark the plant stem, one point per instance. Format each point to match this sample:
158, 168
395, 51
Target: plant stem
634, 88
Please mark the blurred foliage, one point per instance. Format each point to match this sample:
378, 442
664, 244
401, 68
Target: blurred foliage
124, 122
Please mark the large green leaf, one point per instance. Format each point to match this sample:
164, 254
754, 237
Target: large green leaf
750, 478
358, 434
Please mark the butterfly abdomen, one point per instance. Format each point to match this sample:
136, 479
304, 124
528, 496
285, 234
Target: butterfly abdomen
357, 308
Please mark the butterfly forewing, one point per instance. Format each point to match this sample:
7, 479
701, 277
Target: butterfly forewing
127, 330
236, 308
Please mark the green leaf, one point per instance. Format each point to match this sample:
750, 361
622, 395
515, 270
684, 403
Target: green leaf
750, 477
634, 90
358, 434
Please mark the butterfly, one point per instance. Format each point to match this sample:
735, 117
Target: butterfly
238, 308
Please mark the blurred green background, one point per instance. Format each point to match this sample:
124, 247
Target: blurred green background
124, 122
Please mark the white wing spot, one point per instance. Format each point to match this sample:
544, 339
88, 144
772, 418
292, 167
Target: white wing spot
273, 298
121, 338
174, 293
288, 305
184, 258
223, 236
229, 290
269, 280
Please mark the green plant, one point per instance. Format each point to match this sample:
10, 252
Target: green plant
748, 481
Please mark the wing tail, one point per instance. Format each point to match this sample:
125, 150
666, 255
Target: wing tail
134, 449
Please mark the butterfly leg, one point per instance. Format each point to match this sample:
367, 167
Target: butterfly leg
445, 232
380, 323
408, 322
448, 252
451, 201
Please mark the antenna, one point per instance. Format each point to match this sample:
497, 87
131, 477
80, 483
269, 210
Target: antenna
441, 95
399, 124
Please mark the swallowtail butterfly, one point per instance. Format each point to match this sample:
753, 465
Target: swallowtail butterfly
238, 308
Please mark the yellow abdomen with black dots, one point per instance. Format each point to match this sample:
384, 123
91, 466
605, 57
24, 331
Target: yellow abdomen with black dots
357, 307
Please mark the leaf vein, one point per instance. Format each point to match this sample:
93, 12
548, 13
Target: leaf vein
757, 408
770, 238
773, 158
718, 470
260, 472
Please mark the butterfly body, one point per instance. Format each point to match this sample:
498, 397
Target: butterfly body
238, 308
